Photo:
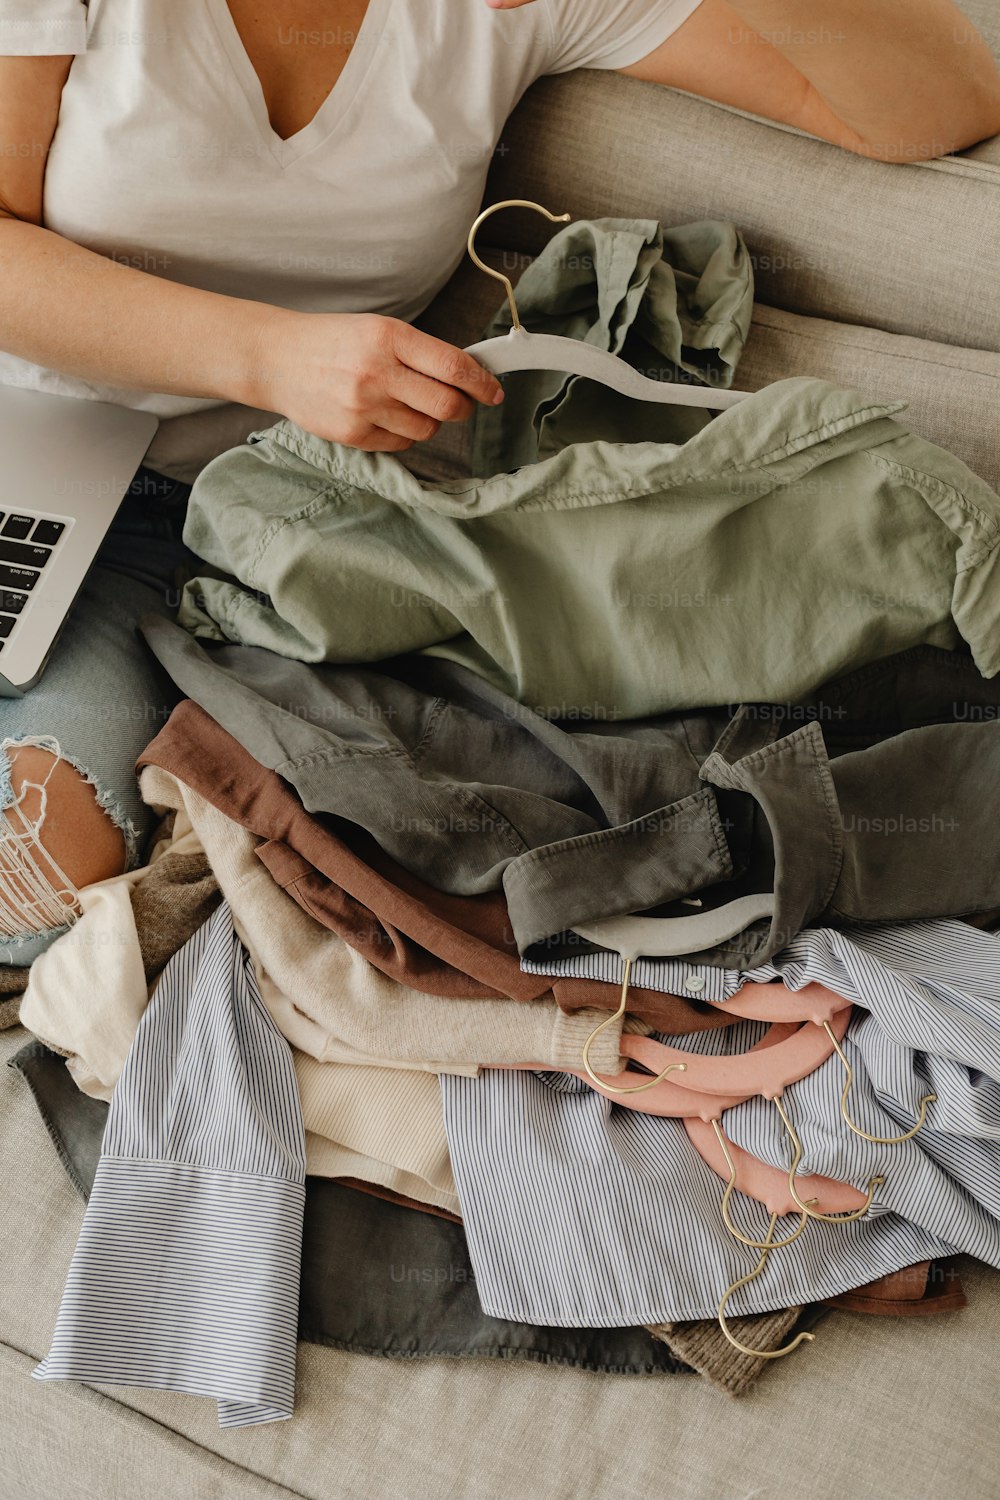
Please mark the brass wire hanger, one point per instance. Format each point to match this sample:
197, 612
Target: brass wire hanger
877, 1140
858, 1213
767, 1243
632, 936
610, 1088
521, 350
801, 1338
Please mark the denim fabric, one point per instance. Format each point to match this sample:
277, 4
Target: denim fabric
376, 1277
102, 696
875, 799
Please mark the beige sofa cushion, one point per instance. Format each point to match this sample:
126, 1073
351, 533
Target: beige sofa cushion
909, 249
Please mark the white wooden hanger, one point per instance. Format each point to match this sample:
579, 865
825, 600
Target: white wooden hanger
521, 350
662, 937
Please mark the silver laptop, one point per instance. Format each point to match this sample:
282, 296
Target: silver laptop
65, 465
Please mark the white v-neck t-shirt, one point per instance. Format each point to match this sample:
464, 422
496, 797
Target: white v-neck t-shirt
164, 157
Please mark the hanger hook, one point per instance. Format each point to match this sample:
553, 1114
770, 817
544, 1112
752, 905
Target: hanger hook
878, 1140
498, 275
801, 1338
767, 1244
609, 1088
858, 1213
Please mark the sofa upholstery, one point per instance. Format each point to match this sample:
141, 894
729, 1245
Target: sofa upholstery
879, 276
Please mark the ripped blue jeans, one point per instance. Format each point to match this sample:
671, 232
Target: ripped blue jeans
100, 702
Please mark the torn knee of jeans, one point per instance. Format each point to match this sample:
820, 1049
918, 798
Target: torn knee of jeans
36, 895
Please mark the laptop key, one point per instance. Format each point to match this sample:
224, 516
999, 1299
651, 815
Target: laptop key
6, 626
17, 526
12, 604
47, 533
17, 578
23, 552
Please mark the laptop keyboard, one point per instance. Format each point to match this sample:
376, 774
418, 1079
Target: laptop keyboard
26, 544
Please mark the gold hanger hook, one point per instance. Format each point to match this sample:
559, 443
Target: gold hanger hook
802, 1338
877, 1140
858, 1213
767, 1244
498, 275
609, 1088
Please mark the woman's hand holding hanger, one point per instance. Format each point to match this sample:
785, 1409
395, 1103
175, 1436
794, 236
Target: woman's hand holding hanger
365, 380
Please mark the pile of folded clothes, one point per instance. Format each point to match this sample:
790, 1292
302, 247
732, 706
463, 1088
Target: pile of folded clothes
365, 1054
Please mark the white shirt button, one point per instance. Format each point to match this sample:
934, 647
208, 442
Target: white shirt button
694, 982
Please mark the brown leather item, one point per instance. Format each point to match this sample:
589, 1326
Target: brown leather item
376, 1190
432, 941
989, 921
916, 1291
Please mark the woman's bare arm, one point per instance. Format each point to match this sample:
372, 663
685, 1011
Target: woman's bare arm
900, 80
357, 378
79, 312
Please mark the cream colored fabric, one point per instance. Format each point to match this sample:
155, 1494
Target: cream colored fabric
366, 1048
332, 1003
379, 1124
325, 1158
86, 993
370, 1098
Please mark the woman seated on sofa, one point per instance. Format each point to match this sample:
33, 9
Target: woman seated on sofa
243, 207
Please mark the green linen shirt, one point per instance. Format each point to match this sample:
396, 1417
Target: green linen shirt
611, 558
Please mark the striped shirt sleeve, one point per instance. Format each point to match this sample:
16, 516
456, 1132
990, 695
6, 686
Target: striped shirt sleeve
185, 1276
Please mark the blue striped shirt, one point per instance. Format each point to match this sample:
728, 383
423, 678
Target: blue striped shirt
581, 1211
185, 1276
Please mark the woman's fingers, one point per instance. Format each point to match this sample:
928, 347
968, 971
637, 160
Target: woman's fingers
444, 363
401, 418
432, 399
